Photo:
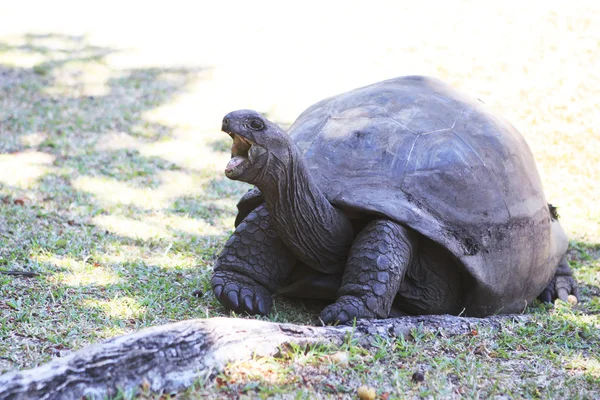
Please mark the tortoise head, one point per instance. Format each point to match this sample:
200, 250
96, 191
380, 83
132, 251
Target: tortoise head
257, 143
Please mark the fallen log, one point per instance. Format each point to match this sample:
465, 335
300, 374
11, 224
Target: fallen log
172, 357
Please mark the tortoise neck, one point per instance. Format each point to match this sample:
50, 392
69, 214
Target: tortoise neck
317, 233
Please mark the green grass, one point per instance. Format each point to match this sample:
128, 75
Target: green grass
116, 246
121, 215
551, 356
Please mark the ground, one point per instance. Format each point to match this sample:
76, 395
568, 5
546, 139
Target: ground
112, 191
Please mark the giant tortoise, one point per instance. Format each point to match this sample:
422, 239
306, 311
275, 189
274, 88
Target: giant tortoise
404, 195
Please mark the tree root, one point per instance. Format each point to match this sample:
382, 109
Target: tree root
172, 357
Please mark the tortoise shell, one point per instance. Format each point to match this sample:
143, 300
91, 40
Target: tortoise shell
414, 150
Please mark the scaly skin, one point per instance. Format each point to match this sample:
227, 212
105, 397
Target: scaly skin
433, 284
301, 224
379, 258
316, 232
252, 265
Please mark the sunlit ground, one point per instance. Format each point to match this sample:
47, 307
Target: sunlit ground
111, 157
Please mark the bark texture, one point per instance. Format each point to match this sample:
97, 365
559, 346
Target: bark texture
171, 357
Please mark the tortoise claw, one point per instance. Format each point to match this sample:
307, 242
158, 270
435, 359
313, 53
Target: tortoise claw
346, 309
560, 287
563, 294
248, 303
262, 306
231, 300
546, 296
217, 290
240, 293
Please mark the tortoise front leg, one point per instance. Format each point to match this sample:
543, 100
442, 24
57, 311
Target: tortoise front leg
378, 260
252, 265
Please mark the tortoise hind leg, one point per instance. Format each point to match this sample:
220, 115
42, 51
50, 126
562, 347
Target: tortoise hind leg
434, 284
378, 260
252, 265
561, 286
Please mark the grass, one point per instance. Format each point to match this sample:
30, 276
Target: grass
481, 365
118, 204
115, 235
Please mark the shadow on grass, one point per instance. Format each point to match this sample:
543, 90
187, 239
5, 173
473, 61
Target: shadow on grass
120, 236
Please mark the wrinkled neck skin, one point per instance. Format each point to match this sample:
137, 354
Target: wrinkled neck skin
316, 232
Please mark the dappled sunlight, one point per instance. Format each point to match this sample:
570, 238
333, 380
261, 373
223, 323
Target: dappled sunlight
130, 227
564, 312
111, 121
112, 331
19, 59
79, 273
64, 58
186, 148
33, 139
122, 307
587, 366
119, 141
188, 154
177, 183
198, 108
78, 78
227, 221
162, 258
187, 225
196, 114
25, 168
155, 226
111, 192
264, 369
100, 276
72, 133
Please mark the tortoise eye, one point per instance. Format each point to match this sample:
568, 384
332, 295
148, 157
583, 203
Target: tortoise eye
256, 125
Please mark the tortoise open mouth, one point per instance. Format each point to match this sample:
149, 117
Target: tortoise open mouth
239, 155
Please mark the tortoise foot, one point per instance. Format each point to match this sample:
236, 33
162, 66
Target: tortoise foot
561, 286
346, 309
240, 293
